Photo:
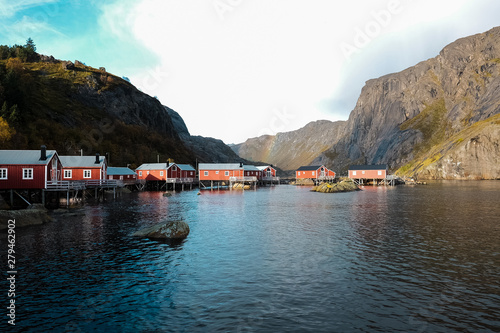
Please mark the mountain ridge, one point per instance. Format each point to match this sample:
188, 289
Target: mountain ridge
421, 121
72, 108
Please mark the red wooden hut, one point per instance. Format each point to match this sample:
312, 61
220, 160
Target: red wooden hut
315, 172
84, 167
368, 171
220, 171
152, 171
268, 172
122, 174
29, 169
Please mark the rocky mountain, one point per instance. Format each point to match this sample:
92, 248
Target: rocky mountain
437, 120
73, 107
205, 149
290, 150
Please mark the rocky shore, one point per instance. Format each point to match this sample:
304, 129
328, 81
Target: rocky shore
343, 186
35, 214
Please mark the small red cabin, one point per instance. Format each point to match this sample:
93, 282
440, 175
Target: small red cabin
319, 172
165, 172
152, 171
182, 171
84, 167
252, 171
29, 169
268, 172
368, 171
220, 171
125, 175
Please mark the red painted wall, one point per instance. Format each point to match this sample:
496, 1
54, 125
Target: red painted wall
77, 173
367, 174
15, 179
220, 174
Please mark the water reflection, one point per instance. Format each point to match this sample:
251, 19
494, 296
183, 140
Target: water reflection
275, 259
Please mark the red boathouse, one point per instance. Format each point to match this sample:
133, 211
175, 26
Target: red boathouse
29, 169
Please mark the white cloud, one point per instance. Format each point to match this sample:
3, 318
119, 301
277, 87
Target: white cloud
10, 8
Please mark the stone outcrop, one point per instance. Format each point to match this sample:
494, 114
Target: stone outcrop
34, 215
171, 230
343, 186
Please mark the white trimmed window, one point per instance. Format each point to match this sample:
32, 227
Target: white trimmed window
205, 173
217, 172
161, 173
140, 173
363, 172
354, 173
226, 173
380, 172
68, 173
28, 173
313, 173
87, 173
3, 173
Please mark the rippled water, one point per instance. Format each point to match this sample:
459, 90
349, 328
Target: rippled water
416, 259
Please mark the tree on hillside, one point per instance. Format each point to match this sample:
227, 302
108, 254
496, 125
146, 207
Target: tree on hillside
30, 51
6, 132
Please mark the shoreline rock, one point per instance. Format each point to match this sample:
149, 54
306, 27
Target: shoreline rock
343, 186
33, 215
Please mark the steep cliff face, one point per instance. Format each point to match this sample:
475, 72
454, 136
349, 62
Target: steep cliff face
409, 119
290, 150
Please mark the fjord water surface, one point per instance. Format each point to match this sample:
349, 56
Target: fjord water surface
417, 259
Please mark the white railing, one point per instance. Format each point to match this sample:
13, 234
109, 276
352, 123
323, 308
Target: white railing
179, 180
243, 179
101, 183
65, 185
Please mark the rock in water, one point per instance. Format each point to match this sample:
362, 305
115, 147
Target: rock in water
171, 230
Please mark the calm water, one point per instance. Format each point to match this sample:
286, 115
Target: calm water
415, 259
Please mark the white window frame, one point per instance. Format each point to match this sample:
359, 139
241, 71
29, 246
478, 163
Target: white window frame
363, 172
27, 173
87, 174
226, 173
140, 173
68, 174
380, 172
313, 173
205, 173
217, 172
161, 173
354, 173
4, 173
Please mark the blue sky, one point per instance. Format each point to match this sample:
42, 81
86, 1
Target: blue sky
236, 69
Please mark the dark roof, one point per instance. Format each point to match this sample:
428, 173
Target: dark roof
368, 167
309, 168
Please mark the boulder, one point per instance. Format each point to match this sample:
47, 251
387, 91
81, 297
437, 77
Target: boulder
68, 65
343, 186
24, 217
170, 230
